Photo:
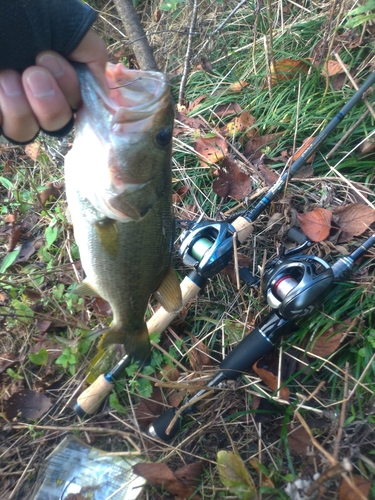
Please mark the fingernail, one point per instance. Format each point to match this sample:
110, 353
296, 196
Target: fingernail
39, 84
11, 84
51, 63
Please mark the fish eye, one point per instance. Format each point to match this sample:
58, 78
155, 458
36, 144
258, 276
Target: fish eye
163, 136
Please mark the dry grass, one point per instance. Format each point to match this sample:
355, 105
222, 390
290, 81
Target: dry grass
331, 399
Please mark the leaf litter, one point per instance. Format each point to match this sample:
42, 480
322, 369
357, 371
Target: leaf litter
351, 222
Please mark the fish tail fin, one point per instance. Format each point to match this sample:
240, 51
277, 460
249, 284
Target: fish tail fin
137, 345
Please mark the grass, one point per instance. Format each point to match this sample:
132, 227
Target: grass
333, 393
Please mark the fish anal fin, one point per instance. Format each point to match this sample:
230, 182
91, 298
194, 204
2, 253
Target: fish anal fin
85, 289
137, 344
169, 292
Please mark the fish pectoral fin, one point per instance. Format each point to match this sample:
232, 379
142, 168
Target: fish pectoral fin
169, 292
137, 343
85, 289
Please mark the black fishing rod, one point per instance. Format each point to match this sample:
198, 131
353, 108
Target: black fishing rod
294, 285
208, 248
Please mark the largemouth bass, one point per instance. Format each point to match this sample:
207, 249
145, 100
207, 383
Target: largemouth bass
118, 185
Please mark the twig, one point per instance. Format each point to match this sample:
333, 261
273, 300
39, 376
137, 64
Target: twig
221, 25
181, 94
24, 473
343, 414
142, 50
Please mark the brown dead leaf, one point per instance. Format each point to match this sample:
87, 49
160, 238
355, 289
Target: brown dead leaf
299, 440
353, 220
190, 473
31, 405
232, 182
8, 360
238, 87
287, 69
266, 480
51, 191
306, 143
367, 146
348, 493
213, 149
270, 176
180, 194
229, 270
33, 150
316, 224
157, 15
240, 124
254, 146
205, 65
271, 380
14, 237
332, 68
160, 475
230, 108
196, 101
199, 354
10, 218
329, 341
149, 408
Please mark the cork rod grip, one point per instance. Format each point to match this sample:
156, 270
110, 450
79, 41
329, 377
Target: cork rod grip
162, 318
91, 399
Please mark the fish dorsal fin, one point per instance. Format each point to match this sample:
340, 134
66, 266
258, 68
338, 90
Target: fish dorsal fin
169, 292
85, 289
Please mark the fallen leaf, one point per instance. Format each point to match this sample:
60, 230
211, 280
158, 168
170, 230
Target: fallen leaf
230, 108
190, 473
157, 15
31, 405
316, 225
287, 69
254, 146
196, 101
299, 440
353, 220
348, 493
266, 480
332, 68
234, 475
8, 360
269, 175
271, 380
329, 341
33, 150
205, 65
180, 194
229, 270
213, 149
149, 408
160, 475
10, 218
51, 191
367, 146
238, 86
240, 124
14, 237
232, 182
306, 143
199, 354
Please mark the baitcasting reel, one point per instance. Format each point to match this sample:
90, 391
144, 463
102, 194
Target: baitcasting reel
295, 285
208, 248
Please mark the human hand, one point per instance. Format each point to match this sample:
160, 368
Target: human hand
45, 94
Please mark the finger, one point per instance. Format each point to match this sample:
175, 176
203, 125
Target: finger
93, 52
64, 74
49, 104
18, 120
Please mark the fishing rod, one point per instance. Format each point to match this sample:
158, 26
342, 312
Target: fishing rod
208, 248
294, 285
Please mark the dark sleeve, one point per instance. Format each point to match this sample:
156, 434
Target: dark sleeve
29, 26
